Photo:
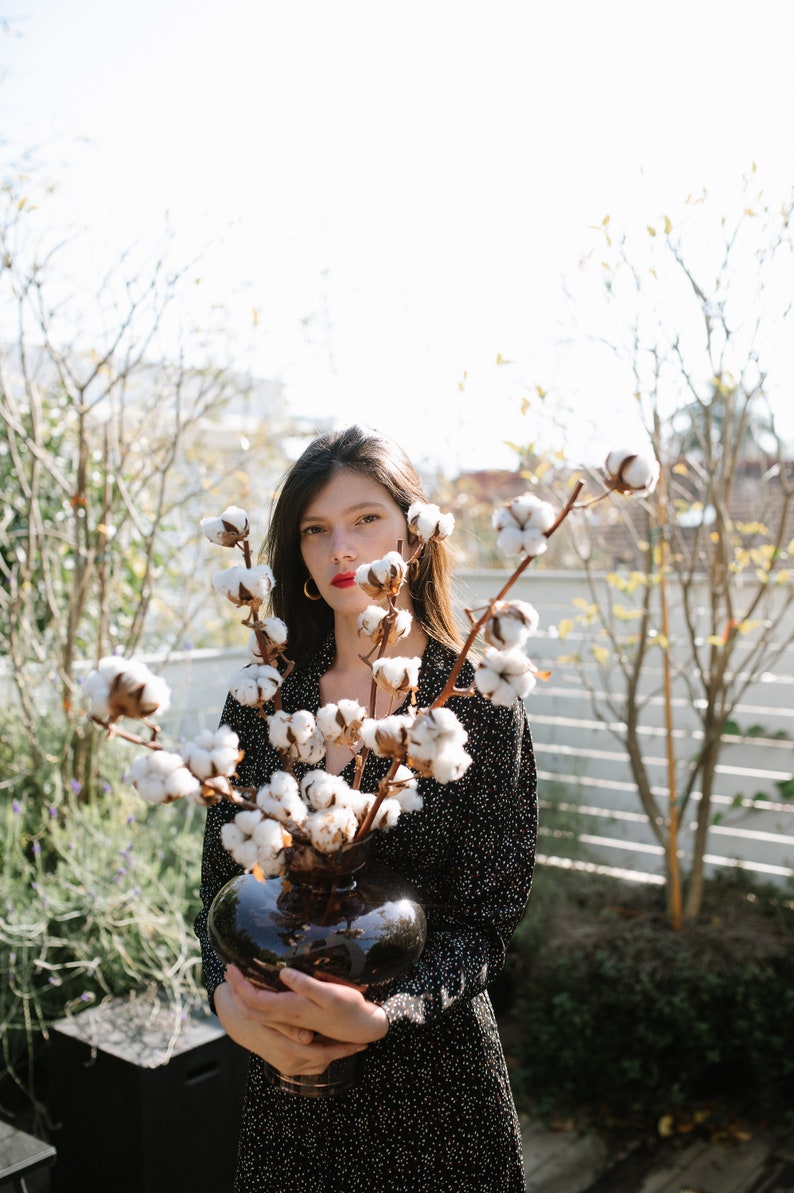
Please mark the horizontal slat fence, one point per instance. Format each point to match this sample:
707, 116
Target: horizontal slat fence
586, 781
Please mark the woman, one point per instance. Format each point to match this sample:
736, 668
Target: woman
433, 1110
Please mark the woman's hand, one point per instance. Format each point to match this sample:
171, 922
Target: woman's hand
339, 1011
291, 1030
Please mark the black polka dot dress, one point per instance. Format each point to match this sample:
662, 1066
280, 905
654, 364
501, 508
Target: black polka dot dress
433, 1112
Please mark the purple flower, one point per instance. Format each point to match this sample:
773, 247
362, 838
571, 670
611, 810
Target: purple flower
85, 997
76, 786
53, 813
36, 848
16, 807
107, 788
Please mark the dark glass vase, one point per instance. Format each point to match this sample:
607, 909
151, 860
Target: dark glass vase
337, 916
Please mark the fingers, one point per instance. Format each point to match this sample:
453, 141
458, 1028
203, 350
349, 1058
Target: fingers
298, 1035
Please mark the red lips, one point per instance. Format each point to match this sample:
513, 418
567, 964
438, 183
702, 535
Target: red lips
344, 579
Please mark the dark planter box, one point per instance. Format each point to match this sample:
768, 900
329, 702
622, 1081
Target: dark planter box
140, 1107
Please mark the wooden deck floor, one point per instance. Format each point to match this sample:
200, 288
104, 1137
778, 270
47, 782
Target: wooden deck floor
573, 1162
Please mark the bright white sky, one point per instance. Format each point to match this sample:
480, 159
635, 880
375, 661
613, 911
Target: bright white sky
400, 186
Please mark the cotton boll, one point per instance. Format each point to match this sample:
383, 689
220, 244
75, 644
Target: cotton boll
125, 688
160, 777
387, 815
341, 723
330, 829
323, 790
406, 790
383, 577
397, 675
630, 472
510, 624
228, 529
503, 675
426, 521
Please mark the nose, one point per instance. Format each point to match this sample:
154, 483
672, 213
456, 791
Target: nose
341, 546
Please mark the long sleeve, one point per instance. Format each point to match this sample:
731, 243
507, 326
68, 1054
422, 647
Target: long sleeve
480, 883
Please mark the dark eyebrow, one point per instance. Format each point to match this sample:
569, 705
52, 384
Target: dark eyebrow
351, 509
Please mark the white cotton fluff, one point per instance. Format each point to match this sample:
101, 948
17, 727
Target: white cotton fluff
245, 586
125, 687
275, 633
396, 675
503, 675
371, 624
437, 741
255, 684
228, 529
331, 828
320, 789
631, 472
511, 624
253, 839
213, 753
280, 798
383, 577
160, 777
297, 735
341, 723
450, 764
405, 790
387, 815
426, 521
433, 729
522, 524
390, 736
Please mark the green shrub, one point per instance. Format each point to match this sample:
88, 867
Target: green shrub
614, 1013
97, 899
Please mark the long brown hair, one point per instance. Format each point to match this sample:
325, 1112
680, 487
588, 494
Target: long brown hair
371, 455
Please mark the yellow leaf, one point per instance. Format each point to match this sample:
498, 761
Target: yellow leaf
651, 231
666, 1126
751, 528
500, 360
783, 577
714, 536
744, 627
668, 227
680, 469
625, 614
565, 627
525, 405
540, 391
600, 654
605, 220
715, 640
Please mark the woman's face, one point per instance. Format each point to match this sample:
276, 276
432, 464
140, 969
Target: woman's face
353, 520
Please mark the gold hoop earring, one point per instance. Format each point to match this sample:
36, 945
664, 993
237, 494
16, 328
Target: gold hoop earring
310, 595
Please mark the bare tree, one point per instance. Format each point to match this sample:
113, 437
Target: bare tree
697, 317
109, 421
